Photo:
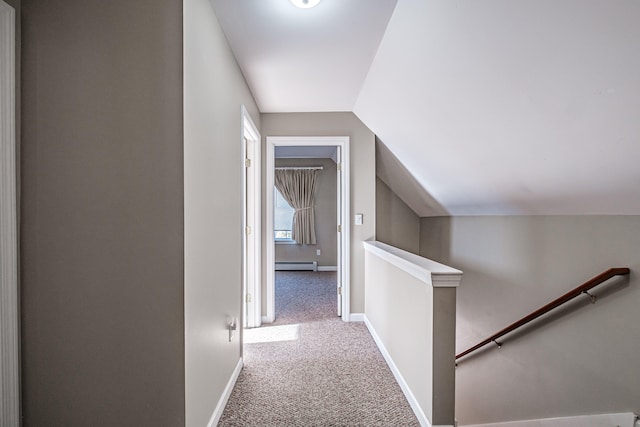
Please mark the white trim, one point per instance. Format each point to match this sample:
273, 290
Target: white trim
269, 253
327, 268
623, 419
345, 273
217, 413
252, 285
9, 333
413, 402
430, 272
249, 126
356, 317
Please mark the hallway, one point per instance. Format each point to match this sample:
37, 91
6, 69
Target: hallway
310, 368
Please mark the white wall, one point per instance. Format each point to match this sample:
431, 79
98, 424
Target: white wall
363, 176
214, 90
584, 361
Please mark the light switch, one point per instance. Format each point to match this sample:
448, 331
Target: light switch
359, 219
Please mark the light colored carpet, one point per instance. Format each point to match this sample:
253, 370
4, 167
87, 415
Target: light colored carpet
310, 368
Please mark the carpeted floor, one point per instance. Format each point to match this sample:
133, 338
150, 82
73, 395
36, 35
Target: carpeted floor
310, 368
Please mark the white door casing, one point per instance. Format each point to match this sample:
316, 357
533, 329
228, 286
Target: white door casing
342, 144
9, 326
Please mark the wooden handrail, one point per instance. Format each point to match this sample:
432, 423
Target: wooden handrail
582, 289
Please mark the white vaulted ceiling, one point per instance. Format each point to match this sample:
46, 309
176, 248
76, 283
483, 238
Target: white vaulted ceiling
493, 106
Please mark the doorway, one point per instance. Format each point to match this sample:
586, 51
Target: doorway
341, 147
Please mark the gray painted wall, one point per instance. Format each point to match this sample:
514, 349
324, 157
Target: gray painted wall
580, 360
362, 176
396, 224
102, 213
214, 90
18, 57
326, 215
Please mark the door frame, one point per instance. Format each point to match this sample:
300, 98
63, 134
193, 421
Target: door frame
9, 309
344, 237
251, 283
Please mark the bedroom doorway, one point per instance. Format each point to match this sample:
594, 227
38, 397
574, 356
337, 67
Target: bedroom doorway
339, 147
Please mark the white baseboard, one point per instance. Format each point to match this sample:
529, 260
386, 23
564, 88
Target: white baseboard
356, 317
217, 413
625, 419
327, 268
413, 402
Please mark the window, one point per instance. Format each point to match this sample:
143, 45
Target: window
282, 218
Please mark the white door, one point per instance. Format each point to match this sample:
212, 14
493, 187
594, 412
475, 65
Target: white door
339, 230
249, 240
9, 292
251, 254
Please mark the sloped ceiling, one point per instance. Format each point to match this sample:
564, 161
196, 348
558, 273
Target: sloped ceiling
512, 107
397, 177
302, 60
493, 107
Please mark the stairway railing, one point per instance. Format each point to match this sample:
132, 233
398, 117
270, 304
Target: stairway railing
582, 289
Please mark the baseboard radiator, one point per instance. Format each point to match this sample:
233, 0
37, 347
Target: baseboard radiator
297, 266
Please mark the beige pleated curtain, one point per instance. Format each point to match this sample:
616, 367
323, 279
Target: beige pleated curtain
298, 187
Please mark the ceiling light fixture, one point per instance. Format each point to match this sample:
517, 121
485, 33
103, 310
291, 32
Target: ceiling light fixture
305, 4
